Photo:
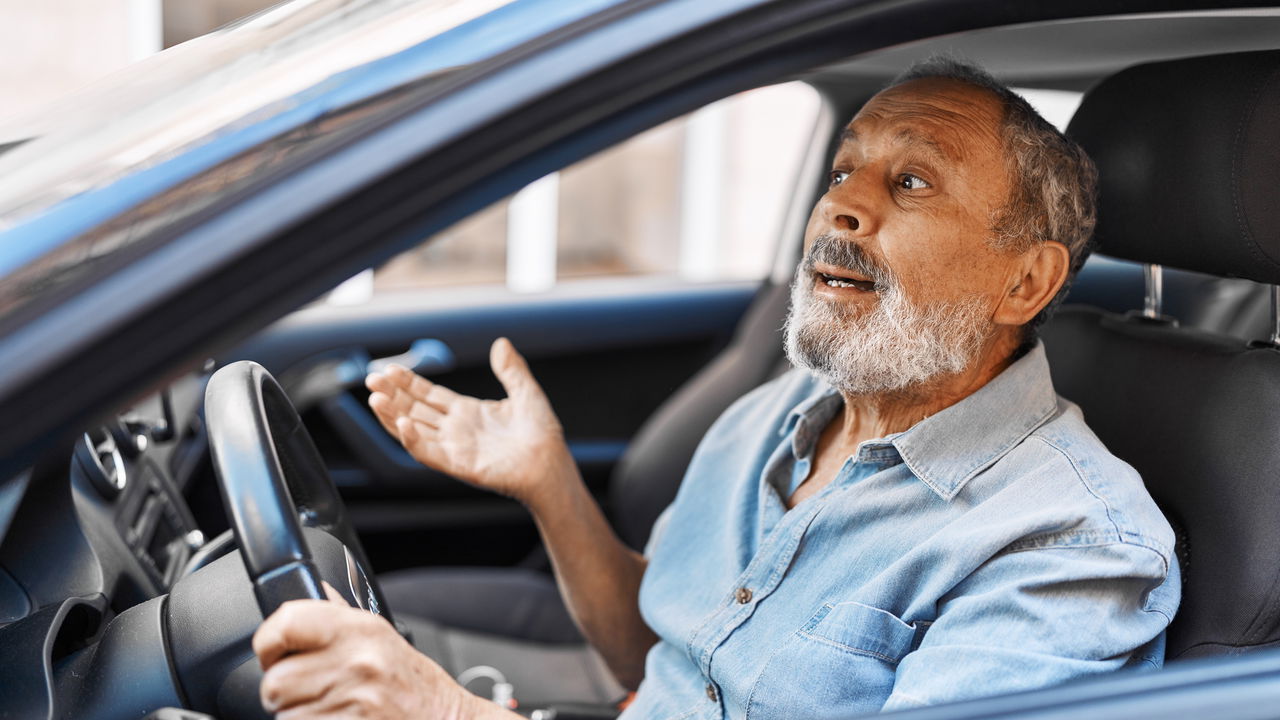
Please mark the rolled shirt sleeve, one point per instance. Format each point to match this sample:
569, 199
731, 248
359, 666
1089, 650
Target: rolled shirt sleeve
1048, 611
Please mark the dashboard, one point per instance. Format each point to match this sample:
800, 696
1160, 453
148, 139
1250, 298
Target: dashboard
129, 477
101, 529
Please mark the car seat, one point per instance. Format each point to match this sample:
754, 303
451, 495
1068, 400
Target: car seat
1188, 169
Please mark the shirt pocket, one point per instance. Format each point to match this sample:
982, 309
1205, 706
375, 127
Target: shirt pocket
840, 662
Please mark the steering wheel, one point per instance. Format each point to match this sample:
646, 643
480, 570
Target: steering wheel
292, 530
273, 482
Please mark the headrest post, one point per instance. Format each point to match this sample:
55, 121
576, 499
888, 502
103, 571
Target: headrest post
1275, 316
1153, 303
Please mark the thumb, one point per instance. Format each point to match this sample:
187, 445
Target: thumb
511, 369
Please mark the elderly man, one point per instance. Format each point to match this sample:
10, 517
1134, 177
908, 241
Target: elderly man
910, 517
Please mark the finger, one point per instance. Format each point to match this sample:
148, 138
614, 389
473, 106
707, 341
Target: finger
381, 406
423, 443
426, 414
298, 679
410, 433
399, 376
379, 382
402, 405
298, 626
511, 369
334, 596
420, 389
400, 402
441, 398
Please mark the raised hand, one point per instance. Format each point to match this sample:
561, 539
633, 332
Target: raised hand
514, 446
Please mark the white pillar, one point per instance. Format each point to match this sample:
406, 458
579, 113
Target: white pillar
355, 290
701, 194
532, 231
145, 29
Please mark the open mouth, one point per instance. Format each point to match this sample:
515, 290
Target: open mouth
831, 277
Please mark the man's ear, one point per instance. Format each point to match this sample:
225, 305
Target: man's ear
1039, 272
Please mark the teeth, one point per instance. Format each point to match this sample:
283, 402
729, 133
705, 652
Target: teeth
840, 284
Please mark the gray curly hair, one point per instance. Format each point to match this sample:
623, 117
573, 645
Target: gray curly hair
1053, 181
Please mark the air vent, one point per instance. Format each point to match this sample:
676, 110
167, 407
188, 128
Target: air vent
102, 462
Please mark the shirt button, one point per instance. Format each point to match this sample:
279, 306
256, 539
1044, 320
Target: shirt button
711, 692
743, 595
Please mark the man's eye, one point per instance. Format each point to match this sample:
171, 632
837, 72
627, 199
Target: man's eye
837, 177
907, 181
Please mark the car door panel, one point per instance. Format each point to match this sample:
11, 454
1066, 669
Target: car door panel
607, 357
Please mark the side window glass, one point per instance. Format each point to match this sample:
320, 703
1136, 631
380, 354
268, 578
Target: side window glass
1057, 106
700, 198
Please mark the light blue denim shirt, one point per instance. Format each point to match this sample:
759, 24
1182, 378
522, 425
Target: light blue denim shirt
994, 546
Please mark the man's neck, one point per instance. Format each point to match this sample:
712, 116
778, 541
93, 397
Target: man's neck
866, 417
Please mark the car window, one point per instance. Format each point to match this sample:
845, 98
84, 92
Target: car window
1057, 106
699, 198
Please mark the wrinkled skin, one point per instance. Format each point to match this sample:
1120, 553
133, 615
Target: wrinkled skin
326, 659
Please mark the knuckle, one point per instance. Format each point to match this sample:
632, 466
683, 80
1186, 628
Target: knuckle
367, 665
270, 684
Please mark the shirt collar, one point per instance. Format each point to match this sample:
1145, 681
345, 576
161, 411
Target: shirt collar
948, 448
809, 407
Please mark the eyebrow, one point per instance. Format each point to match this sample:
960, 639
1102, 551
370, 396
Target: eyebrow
911, 139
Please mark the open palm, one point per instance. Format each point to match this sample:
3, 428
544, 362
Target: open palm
509, 446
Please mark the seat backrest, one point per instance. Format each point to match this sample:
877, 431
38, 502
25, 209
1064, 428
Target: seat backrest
1187, 178
649, 474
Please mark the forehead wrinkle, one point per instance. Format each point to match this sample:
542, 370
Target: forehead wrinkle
954, 118
917, 141
913, 141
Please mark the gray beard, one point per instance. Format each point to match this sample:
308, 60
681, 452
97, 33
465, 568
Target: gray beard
893, 347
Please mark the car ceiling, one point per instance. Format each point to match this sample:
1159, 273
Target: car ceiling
1073, 54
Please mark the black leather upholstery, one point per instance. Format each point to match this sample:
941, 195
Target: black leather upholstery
647, 478
1188, 163
1198, 414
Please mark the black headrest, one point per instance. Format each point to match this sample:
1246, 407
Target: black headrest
1188, 154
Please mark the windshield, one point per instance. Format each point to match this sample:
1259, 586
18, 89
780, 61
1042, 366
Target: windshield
184, 96
211, 118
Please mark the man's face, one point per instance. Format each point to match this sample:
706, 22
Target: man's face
900, 280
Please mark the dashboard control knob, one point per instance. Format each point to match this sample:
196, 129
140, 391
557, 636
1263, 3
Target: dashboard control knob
132, 437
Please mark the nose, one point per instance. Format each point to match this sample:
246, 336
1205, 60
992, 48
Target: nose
849, 205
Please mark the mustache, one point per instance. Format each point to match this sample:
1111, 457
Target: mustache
830, 250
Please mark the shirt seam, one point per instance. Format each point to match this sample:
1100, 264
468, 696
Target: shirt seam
1080, 475
1019, 547
849, 648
